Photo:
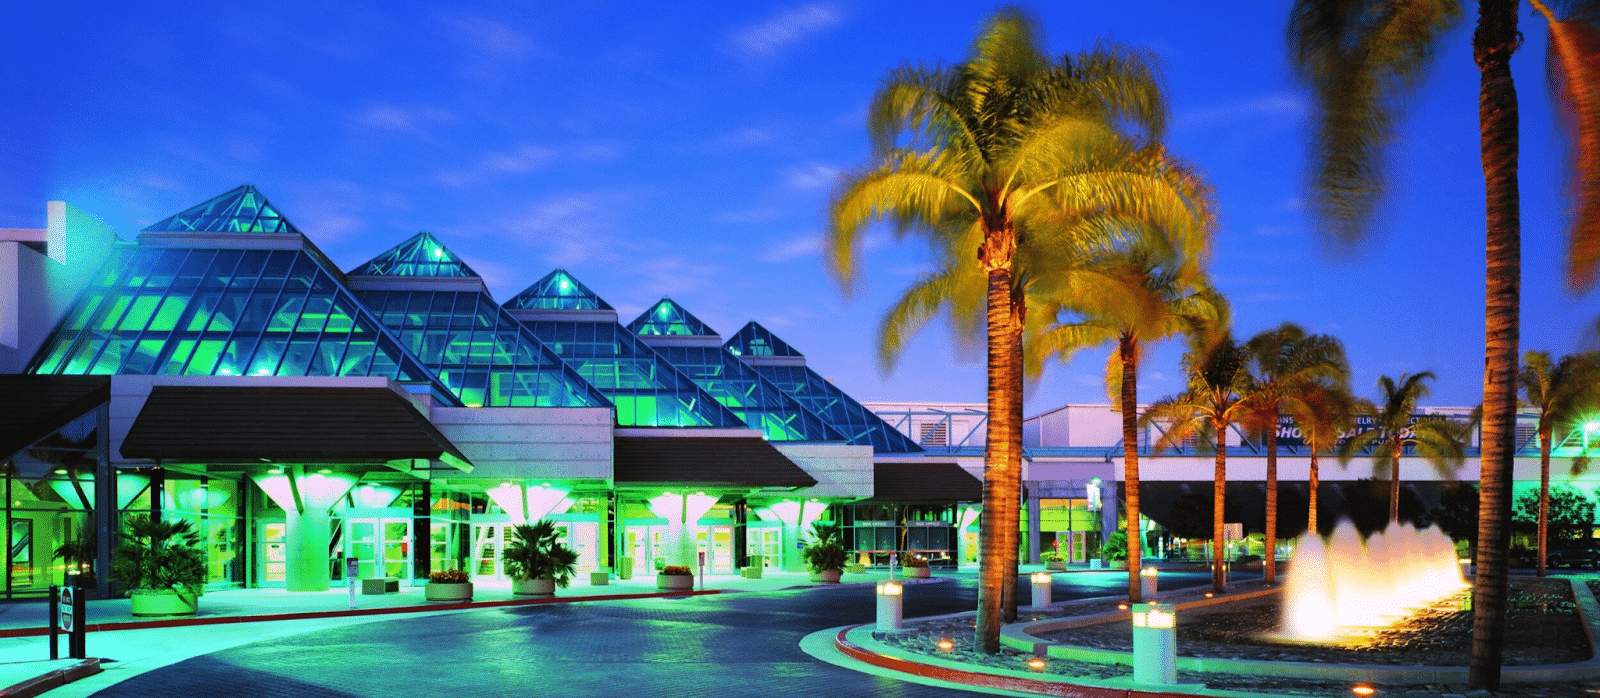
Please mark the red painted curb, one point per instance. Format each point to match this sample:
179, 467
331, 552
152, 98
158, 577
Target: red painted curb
975, 678
302, 615
55, 679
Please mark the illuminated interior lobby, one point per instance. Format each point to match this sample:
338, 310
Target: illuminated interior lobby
221, 369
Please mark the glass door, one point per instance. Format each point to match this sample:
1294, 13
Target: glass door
274, 554
584, 538
382, 545
768, 543
488, 541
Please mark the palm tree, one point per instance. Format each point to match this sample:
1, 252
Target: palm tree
1561, 392
1149, 304
983, 151
1361, 57
1218, 392
1323, 417
1440, 441
1289, 367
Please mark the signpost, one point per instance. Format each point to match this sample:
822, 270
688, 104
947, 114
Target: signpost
352, 569
67, 611
702, 570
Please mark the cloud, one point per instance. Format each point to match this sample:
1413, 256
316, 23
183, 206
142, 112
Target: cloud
389, 117
811, 177
1281, 105
489, 37
765, 39
523, 159
754, 215
793, 248
572, 228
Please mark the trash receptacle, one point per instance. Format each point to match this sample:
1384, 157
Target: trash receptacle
624, 568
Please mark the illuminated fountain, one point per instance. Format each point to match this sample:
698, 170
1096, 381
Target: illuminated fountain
1337, 586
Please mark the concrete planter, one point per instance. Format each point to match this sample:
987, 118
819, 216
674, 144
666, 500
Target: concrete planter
160, 603
533, 587
1057, 565
675, 582
918, 573
448, 591
826, 576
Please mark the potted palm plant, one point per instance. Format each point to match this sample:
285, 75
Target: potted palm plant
538, 561
825, 556
161, 566
448, 585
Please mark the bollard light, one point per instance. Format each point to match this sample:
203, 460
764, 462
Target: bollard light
1041, 590
1155, 651
890, 610
1147, 582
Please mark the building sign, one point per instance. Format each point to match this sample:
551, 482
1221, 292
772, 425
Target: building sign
1291, 439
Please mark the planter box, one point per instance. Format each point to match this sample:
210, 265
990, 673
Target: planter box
380, 585
918, 573
1057, 565
856, 568
533, 587
750, 573
437, 591
826, 576
675, 582
158, 603
599, 579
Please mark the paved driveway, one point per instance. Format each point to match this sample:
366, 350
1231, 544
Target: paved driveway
736, 644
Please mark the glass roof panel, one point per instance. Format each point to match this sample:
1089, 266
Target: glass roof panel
760, 403
420, 255
666, 317
146, 321
242, 209
557, 291
858, 424
481, 353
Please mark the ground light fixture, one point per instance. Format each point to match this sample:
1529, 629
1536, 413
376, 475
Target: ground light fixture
1036, 663
1363, 690
946, 644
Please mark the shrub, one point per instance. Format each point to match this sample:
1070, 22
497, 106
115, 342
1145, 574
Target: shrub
916, 561
676, 570
158, 555
825, 551
448, 576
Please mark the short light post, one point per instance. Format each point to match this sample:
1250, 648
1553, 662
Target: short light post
1155, 646
1147, 583
890, 610
1041, 590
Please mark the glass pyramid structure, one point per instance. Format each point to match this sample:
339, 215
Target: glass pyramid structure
421, 255
482, 354
558, 291
738, 387
645, 388
840, 411
669, 318
241, 210
175, 311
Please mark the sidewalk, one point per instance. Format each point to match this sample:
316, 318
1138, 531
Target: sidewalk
238, 616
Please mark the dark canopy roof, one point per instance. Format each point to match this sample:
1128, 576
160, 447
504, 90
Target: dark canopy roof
735, 461
33, 406
924, 482
231, 424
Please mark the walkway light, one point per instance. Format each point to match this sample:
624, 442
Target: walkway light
1036, 664
947, 644
1155, 651
1041, 590
890, 600
1363, 690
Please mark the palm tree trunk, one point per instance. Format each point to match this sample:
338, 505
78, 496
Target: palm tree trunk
1544, 496
1218, 492
1493, 43
1269, 558
1311, 514
1001, 462
1009, 610
1394, 479
1130, 463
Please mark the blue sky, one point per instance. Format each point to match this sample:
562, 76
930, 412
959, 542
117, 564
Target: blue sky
688, 149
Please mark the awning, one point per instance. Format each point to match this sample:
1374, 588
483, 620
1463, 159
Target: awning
246, 424
31, 407
924, 482
705, 461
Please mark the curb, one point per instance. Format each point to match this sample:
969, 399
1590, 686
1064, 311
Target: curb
55, 679
985, 679
303, 615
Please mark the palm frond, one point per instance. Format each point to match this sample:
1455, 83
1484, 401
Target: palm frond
1573, 70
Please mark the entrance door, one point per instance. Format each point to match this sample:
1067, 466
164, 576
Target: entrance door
274, 553
768, 543
719, 551
1079, 551
382, 545
488, 540
584, 539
